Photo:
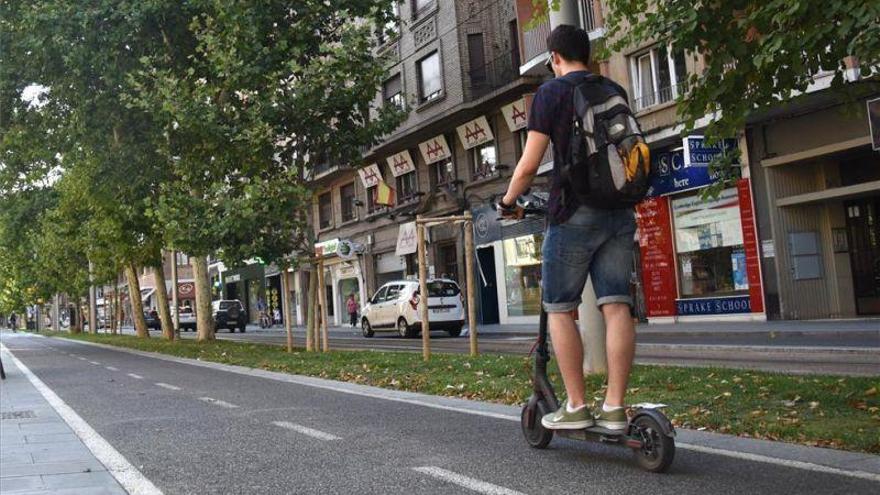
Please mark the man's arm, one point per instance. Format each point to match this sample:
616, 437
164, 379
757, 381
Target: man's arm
524, 174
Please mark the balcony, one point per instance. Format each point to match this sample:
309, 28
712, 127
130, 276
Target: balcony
658, 97
489, 77
534, 48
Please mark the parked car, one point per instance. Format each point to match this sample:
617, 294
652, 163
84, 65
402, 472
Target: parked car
153, 321
229, 313
187, 319
395, 307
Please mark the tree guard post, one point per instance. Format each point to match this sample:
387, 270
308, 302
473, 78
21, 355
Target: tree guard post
322, 301
469, 276
423, 290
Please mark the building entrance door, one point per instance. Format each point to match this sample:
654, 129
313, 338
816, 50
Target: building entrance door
488, 285
863, 226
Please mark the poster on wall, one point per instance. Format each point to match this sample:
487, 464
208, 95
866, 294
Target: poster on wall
370, 175
657, 258
435, 149
738, 264
475, 133
401, 163
705, 224
516, 115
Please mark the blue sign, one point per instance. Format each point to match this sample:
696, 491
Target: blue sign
686, 168
713, 306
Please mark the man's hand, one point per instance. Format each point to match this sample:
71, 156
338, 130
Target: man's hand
510, 211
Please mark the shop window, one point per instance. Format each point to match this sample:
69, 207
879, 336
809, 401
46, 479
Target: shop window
658, 75
407, 187
709, 245
325, 211
392, 91
484, 159
447, 261
347, 196
522, 274
430, 77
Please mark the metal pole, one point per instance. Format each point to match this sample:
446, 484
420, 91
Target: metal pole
322, 301
56, 313
175, 319
423, 290
469, 267
93, 300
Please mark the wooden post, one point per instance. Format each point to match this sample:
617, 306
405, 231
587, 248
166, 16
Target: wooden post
423, 290
322, 298
469, 276
175, 303
285, 302
311, 312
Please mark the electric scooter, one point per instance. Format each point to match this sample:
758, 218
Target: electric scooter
649, 432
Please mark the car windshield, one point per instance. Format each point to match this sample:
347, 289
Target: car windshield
442, 289
228, 304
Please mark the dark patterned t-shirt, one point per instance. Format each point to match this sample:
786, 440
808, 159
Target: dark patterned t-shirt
552, 113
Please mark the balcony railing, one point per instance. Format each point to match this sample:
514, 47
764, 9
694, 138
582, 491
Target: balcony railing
661, 96
535, 41
588, 15
493, 75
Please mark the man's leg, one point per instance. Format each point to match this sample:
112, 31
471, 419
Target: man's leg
620, 347
570, 353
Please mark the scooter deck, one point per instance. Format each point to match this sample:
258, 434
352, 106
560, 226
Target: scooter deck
595, 433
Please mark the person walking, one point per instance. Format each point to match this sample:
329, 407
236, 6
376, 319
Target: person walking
352, 310
580, 240
13, 322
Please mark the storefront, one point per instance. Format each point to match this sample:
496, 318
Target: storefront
699, 255
343, 276
246, 284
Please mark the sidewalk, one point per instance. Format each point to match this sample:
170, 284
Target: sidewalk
39, 452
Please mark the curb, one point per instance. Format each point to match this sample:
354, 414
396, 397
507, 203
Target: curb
851, 464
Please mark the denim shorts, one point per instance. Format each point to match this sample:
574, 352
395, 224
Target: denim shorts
593, 242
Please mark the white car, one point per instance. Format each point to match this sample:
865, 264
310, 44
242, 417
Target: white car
187, 320
395, 307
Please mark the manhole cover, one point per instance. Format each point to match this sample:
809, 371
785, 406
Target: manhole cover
17, 415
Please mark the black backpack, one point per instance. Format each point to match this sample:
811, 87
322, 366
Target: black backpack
608, 164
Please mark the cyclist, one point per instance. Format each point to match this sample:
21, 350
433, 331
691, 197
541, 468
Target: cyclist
579, 241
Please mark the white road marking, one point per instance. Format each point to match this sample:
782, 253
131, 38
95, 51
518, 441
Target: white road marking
127, 475
306, 431
168, 386
809, 466
218, 402
391, 396
95, 363
135, 376
465, 482
81, 358
111, 368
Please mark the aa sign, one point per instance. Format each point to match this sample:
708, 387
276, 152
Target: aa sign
516, 115
435, 149
401, 163
475, 133
370, 176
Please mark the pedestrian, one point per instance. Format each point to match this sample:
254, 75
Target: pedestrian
580, 240
352, 310
13, 321
276, 316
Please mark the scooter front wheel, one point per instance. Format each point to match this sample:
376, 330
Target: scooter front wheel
657, 450
530, 419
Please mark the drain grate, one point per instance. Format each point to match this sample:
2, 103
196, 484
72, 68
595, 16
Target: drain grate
17, 414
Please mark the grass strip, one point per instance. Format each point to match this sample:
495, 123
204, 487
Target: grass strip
826, 411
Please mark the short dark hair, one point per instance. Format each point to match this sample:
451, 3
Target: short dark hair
571, 43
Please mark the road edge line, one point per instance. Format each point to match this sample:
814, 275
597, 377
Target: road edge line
131, 479
347, 388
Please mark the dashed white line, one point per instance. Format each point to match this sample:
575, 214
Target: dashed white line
135, 376
111, 368
95, 363
305, 430
218, 402
466, 482
81, 358
167, 385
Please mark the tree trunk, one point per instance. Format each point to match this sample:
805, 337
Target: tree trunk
311, 306
204, 318
137, 306
162, 300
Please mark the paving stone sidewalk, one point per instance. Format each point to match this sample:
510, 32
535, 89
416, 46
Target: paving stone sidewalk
39, 452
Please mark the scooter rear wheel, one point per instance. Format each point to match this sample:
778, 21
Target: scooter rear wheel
536, 435
657, 450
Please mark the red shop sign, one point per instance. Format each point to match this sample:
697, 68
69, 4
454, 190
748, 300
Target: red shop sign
657, 256
750, 244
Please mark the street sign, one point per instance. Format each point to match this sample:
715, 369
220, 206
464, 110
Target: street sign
475, 132
874, 122
435, 149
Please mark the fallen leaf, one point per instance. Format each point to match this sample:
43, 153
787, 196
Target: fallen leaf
814, 404
871, 392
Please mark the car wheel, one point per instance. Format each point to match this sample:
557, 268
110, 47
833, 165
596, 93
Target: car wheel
403, 328
242, 328
366, 329
454, 332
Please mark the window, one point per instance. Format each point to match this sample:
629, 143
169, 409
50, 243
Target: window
392, 27
709, 245
392, 91
430, 78
407, 185
393, 292
513, 31
182, 259
347, 196
484, 158
447, 261
659, 75
588, 15
325, 210
372, 207
522, 274
419, 7
476, 58
380, 295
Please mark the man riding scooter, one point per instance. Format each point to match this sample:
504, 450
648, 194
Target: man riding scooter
580, 240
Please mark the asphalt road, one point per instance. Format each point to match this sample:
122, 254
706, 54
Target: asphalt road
798, 356
192, 429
